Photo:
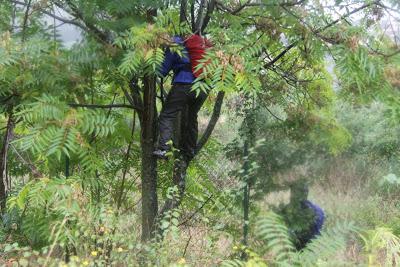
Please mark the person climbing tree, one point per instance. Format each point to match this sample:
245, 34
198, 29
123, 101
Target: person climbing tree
303, 218
185, 71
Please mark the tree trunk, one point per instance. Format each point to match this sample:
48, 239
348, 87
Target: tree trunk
246, 198
182, 13
149, 162
3, 162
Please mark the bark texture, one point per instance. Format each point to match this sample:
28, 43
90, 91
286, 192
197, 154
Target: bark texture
4, 182
149, 162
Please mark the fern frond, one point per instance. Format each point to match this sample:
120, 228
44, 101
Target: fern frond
327, 245
274, 232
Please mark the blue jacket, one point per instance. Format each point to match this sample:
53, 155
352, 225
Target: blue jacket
179, 65
318, 219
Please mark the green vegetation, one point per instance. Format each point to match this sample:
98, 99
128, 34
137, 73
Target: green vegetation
299, 91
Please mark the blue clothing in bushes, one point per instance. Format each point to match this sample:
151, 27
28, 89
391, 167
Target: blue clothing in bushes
314, 227
318, 219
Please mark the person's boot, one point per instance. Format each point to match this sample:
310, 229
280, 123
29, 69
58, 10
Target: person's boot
160, 154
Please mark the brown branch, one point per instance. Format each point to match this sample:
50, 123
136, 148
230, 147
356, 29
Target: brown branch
281, 54
182, 11
78, 15
346, 15
3, 160
240, 8
193, 24
29, 164
196, 211
210, 10
25, 21
380, 53
293, 44
306, 25
249, 4
272, 114
64, 20
213, 121
200, 18
91, 28
134, 88
387, 7
187, 245
77, 105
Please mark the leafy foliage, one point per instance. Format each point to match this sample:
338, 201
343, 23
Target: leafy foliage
273, 231
322, 250
382, 240
61, 131
73, 127
58, 203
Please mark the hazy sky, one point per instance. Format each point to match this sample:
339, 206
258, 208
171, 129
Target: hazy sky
68, 33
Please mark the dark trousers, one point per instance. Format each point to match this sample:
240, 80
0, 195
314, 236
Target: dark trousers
177, 99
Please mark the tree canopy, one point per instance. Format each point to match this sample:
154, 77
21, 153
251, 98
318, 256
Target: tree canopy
79, 123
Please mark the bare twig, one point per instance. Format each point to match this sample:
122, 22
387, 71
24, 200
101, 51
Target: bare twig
78, 105
272, 114
196, 211
92, 28
25, 21
30, 165
64, 20
187, 245
293, 44
239, 8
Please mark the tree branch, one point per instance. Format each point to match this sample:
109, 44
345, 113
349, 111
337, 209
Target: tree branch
289, 47
134, 98
200, 18
182, 12
210, 10
8, 135
29, 164
196, 211
347, 15
193, 24
64, 20
392, 54
213, 121
91, 28
281, 54
25, 21
249, 4
78, 105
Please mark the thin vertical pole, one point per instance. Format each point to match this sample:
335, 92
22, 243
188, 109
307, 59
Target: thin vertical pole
246, 175
67, 166
246, 197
